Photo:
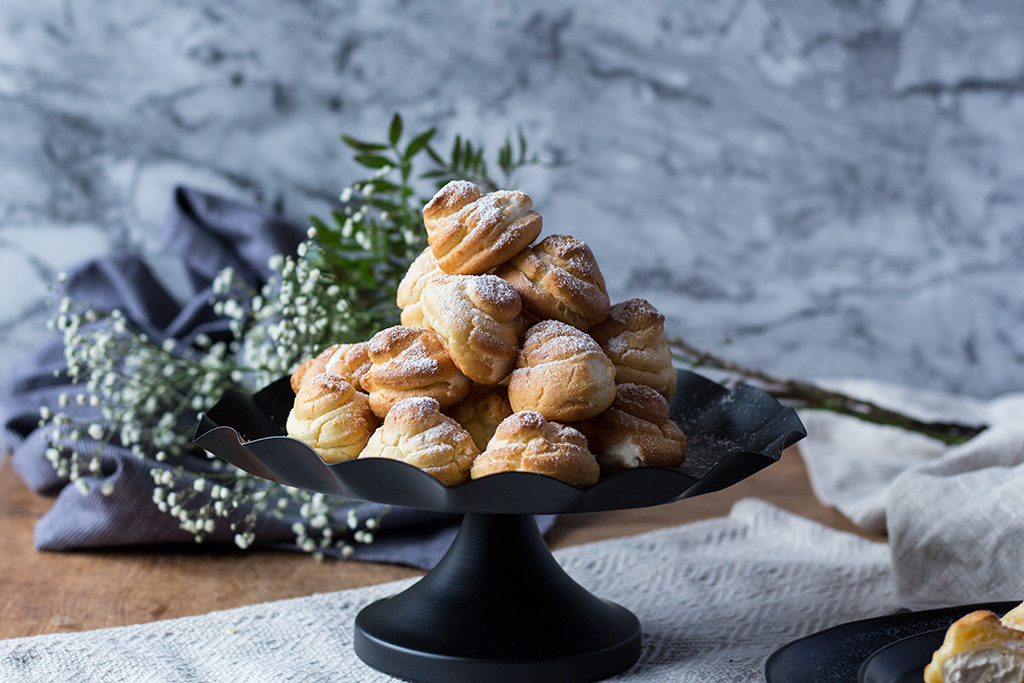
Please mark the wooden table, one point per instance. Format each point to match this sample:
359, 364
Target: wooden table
43, 592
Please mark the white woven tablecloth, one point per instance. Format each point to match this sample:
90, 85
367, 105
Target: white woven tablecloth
714, 598
954, 514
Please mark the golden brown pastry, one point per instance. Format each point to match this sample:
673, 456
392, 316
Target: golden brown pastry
635, 432
421, 271
332, 417
1015, 618
477, 317
481, 412
351, 361
416, 432
561, 373
470, 232
408, 362
979, 647
633, 337
558, 279
526, 442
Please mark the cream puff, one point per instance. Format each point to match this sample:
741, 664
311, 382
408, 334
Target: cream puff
635, 432
559, 279
331, 417
526, 442
470, 232
408, 362
477, 317
562, 373
633, 337
351, 361
416, 432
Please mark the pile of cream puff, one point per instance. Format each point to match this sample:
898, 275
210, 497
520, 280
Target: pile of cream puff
510, 357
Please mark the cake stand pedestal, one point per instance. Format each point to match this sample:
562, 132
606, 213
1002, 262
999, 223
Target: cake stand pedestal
497, 608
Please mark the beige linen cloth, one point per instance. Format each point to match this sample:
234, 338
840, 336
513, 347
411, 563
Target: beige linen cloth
954, 514
714, 598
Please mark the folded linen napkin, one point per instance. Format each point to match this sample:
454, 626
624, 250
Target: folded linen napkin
714, 599
954, 514
208, 234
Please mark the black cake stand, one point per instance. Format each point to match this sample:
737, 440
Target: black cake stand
498, 607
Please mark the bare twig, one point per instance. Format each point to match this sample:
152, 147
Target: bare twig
807, 395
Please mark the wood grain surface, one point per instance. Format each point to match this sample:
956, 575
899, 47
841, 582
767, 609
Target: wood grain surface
45, 592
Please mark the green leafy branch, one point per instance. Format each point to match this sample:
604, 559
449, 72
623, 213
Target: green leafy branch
368, 244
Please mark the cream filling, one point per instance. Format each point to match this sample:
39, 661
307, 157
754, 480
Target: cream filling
990, 665
626, 453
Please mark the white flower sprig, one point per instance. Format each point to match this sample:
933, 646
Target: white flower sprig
298, 314
128, 391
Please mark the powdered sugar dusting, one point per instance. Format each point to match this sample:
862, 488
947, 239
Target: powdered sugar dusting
636, 313
452, 197
417, 358
516, 422
553, 339
501, 206
416, 408
460, 188
447, 431
493, 289
329, 382
487, 293
574, 253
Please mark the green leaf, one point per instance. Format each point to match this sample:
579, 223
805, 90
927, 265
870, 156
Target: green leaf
435, 156
384, 205
395, 131
373, 161
456, 151
327, 235
505, 156
419, 142
362, 146
383, 185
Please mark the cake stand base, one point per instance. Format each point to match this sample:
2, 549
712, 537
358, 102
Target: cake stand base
497, 608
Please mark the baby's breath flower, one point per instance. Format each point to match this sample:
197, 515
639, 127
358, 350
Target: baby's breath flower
142, 395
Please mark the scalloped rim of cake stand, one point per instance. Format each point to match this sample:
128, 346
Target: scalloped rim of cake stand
731, 434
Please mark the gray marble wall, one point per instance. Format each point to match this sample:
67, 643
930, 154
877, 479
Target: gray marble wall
817, 188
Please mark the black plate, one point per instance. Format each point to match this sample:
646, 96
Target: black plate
903, 661
731, 434
835, 655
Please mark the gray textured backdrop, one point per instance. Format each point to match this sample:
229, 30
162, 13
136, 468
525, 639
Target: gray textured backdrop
816, 188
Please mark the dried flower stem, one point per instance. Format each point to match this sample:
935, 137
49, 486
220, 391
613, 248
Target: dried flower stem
806, 395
